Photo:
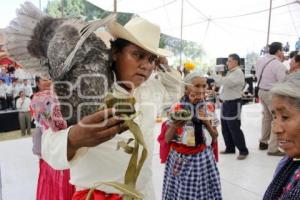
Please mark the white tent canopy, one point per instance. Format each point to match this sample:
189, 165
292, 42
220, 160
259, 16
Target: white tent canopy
221, 27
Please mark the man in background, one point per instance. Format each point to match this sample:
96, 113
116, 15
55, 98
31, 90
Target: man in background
15, 89
231, 96
3, 89
23, 106
27, 88
297, 45
271, 70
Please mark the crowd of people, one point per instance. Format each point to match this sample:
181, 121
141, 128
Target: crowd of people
16, 94
10, 88
191, 171
79, 161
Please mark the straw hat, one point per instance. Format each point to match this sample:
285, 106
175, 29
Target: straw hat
141, 33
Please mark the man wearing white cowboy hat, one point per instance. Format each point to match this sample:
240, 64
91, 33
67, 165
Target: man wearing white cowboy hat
90, 151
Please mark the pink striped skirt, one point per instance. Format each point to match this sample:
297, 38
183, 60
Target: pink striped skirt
53, 184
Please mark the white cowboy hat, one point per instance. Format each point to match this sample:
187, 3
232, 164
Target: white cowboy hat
141, 33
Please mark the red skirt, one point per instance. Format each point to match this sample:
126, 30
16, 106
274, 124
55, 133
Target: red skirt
96, 195
53, 184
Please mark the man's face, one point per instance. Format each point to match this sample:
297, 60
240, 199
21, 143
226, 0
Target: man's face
232, 63
280, 55
134, 65
22, 94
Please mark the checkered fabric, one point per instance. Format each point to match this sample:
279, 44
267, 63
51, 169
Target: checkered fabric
191, 177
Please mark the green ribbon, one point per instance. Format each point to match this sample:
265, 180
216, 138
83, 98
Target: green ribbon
135, 164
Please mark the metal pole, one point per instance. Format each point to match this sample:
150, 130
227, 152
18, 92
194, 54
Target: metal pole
62, 8
40, 4
181, 42
115, 6
269, 24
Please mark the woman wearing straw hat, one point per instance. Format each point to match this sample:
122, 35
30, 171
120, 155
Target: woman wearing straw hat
90, 152
67, 49
286, 119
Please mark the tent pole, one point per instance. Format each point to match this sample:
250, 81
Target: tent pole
269, 23
115, 6
181, 42
62, 8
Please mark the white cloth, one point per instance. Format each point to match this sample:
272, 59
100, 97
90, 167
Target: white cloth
23, 105
27, 90
233, 84
9, 90
3, 89
15, 90
103, 162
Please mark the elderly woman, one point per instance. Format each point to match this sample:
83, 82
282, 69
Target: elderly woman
295, 63
286, 113
191, 171
67, 52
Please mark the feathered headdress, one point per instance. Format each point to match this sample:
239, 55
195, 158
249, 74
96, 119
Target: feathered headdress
30, 37
65, 50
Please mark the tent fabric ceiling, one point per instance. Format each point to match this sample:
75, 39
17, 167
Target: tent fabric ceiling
221, 27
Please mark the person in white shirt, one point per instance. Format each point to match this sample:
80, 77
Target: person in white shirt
23, 106
269, 70
233, 84
9, 96
15, 88
90, 151
27, 88
3, 89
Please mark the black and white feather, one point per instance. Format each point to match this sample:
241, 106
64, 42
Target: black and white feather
65, 50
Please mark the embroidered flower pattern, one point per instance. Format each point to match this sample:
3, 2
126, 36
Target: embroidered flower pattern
292, 183
46, 111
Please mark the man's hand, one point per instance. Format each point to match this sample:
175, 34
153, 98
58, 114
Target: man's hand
162, 64
93, 130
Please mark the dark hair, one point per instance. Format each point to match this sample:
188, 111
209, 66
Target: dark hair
274, 47
21, 91
37, 80
297, 58
236, 57
117, 46
292, 54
